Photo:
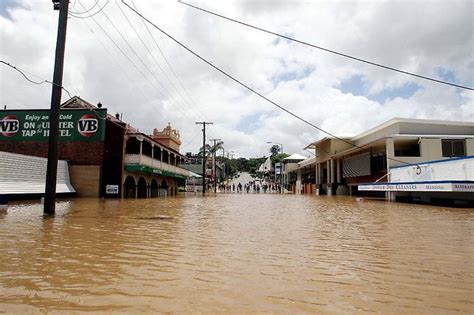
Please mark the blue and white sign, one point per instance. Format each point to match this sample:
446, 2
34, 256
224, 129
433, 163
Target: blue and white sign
423, 186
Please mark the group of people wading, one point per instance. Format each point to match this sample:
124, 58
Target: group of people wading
250, 187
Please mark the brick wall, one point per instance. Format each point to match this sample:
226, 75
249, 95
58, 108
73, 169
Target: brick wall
85, 179
76, 152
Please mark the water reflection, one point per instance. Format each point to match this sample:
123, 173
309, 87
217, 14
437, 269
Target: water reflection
239, 253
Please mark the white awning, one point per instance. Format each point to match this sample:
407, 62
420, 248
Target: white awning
192, 174
295, 157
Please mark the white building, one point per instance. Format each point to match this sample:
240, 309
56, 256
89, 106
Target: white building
342, 164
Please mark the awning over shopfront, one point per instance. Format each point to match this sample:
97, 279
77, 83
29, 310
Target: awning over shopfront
192, 174
151, 170
433, 186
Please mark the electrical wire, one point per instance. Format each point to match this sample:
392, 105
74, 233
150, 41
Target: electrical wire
175, 75
162, 94
248, 87
119, 65
156, 62
87, 11
32, 81
125, 54
329, 50
47, 81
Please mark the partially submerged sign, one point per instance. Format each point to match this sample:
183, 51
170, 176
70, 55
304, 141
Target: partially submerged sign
112, 189
434, 186
33, 125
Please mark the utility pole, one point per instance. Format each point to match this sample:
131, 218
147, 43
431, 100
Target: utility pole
203, 123
52, 166
282, 190
214, 170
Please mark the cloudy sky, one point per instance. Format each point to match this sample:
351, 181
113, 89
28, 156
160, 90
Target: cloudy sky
133, 69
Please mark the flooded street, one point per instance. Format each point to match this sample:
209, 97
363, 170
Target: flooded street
237, 253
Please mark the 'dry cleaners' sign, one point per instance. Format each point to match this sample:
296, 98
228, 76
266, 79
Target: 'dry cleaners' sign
33, 125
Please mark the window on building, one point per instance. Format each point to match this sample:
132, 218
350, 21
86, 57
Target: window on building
379, 162
453, 147
407, 148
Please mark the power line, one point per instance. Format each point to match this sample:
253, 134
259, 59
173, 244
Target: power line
203, 123
168, 63
85, 11
248, 87
328, 50
47, 81
152, 85
77, 15
120, 65
127, 57
189, 108
156, 61
117, 46
153, 75
32, 81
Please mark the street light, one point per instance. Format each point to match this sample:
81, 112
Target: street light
281, 165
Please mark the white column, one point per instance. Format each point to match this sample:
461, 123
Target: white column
390, 151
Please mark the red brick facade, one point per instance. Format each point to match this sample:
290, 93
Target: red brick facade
76, 152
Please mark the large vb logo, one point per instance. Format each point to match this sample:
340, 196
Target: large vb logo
9, 126
88, 125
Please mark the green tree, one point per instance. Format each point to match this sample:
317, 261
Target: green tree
211, 149
278, 158
218, 146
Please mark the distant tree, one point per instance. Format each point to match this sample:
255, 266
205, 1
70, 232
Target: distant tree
279, 157
218, 146
207, 151
254, 164
275, 149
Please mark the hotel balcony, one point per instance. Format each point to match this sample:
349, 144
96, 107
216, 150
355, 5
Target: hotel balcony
137, 162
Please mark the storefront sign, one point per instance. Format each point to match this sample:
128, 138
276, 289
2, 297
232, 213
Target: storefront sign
427, 186
112, 189
33, 125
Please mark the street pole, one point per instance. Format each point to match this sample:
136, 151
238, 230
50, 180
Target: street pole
281, 166
203, 123
52, 166
214, 170
281, 172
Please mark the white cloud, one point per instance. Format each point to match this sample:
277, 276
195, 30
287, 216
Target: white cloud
413, 36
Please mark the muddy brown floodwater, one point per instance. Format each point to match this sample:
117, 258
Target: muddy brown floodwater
237, 253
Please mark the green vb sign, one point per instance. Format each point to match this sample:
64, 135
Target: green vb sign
33, 125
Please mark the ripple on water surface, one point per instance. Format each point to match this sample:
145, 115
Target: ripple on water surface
239, 253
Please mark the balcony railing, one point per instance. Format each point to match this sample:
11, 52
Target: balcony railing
137, 159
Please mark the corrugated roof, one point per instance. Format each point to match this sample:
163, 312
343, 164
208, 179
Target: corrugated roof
24, 174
